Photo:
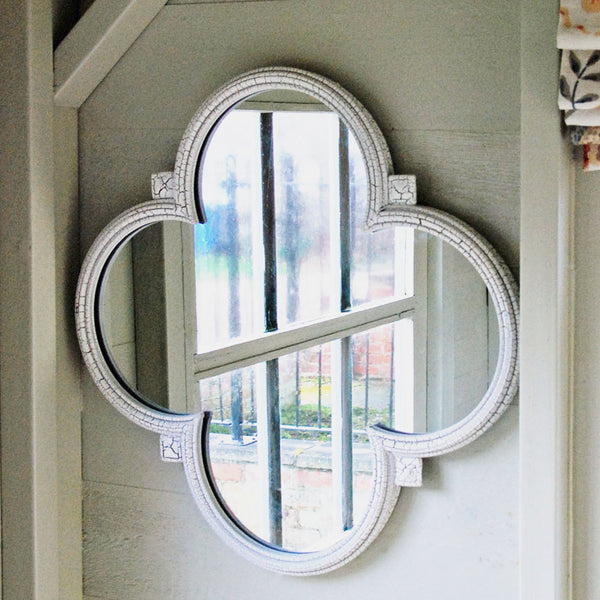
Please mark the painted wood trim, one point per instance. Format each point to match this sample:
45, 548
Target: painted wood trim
68, 401
28, 420
375, 151
104, 373
547, 324
504, 295
286, 341
92, 48
383, 499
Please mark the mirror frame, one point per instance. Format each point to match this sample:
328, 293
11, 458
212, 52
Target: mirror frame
392, 201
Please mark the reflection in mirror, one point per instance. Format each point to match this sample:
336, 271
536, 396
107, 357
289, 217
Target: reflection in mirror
299, 478
146, 315
149, 314
175, 293
280, 162
295, 326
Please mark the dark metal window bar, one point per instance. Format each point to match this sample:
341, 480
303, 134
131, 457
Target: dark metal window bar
238, 425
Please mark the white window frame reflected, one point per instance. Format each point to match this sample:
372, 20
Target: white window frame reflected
408, 313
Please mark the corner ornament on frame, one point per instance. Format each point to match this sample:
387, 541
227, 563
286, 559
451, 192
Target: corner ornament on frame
391, 202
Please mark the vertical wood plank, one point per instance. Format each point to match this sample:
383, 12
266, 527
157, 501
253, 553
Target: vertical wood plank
546, 326
27, 305
68, 411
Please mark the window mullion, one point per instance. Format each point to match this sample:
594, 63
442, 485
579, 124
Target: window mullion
233, 270
262, 348
273, 429
418, 340
345, 393
271, 426
409, 379
268, 210
346, 434
345, 231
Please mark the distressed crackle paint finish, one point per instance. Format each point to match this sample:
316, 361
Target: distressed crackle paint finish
392, 198
402, 189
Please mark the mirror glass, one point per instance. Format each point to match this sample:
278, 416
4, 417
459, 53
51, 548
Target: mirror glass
153, 312
295, 326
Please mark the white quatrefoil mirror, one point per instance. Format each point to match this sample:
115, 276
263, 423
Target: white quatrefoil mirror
298, 330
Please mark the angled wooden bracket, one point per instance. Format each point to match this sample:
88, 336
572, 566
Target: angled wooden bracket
97, 42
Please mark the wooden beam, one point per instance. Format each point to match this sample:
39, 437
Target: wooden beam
28, 391
546, 318
96, 43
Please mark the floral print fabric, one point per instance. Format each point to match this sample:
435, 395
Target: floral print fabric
579, 24
584, 135
579, 80
586, 118
579, 83
591, 157
588, 138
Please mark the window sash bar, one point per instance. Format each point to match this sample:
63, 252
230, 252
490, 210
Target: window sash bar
279, 343
268, 210
345, 446
345, 231
233, 270
272, 427
274, 453
236, 406
346, 434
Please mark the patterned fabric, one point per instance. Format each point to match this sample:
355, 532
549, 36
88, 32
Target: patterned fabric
585, 118
591, 157
576, 135
584, 135
579, 80
579, 84
579, 24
